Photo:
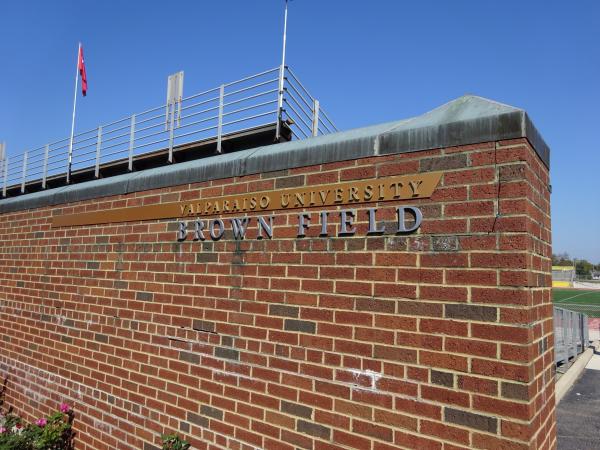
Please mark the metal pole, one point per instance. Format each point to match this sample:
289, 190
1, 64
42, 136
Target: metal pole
315, 118
5, 176
131, 140
171, 136
73, 120
2, 157
220, 119
24, 172
98, 145
45, 175
281, 77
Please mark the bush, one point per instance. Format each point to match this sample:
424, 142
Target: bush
171, 442
48, 433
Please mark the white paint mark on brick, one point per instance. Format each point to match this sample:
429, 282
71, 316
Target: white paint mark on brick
371, 375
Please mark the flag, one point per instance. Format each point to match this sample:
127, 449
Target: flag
81, 67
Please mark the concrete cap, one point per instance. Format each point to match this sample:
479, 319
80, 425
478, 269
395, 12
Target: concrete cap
466, 120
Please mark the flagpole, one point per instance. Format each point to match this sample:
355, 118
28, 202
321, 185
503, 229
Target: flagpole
73, 120
281, 77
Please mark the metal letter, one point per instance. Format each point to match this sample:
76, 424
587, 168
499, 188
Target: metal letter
267, 227
198, 227
301, 224
347, 219
324, 215
182, 232
373, 224
211, 229
239, 227
401, 218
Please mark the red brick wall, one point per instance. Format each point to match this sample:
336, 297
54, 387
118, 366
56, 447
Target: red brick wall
440, 339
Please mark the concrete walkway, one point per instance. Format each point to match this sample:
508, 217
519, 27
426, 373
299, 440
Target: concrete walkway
578, 413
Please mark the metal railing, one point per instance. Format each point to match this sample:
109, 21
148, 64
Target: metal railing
233, 107
571, 334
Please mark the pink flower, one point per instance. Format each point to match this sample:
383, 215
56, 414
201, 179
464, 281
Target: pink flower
64, 408
2, 430
41, 422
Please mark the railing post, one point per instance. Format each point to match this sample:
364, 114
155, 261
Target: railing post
131, 140
279, 104
45, 170
220, 119
171, 135
5, 176
69, 160
2, 157
24, 173
98, 146
315, 118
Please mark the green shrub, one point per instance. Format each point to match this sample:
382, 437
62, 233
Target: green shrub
48, 433
171, 442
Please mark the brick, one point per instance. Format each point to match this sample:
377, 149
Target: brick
471, 347
395, 353
144, 296
395, 419
302, 326
101, 338
506, 371
313, 429
480, 385
502, 407
418, 408
444, 431
372, 430
209, 411
296, 409
515, 391
442, 378
456, 161
284, 310
203, 325
457, 294
197, 419
288, 182
471, 312
189, 357
446, 396
471, 277
501, 333
471, 420
228, 353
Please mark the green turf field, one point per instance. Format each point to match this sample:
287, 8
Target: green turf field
581, 300
587, 297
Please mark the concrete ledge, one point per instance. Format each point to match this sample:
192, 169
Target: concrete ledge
572, 375
466, 120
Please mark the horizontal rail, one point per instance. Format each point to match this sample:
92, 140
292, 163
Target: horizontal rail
237, 106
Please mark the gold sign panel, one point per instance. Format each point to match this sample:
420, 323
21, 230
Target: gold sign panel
404, 187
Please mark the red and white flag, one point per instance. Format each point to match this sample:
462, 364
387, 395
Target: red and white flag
81, 67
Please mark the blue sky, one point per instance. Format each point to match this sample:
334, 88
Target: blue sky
367, 62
